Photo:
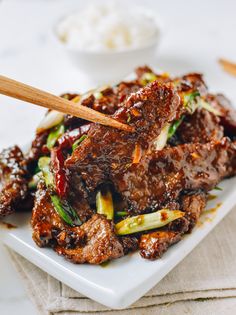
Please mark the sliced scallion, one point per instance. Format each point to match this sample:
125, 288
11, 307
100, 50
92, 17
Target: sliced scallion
98, 95
218, 188
77, 142
34, 180
44, 166
173, 128
54, 135
104, 204
148, 221
161, 140
121, 213
148, 77
65, 211
62, 207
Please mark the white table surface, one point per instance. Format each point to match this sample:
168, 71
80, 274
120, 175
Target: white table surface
196, 34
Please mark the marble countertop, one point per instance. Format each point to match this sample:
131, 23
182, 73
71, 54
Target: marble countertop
196, 34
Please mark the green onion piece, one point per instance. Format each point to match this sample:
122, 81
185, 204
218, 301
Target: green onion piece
121, 213
98, 95
54, 135
190, 101
148, 77
52, 119
129, 118
189, 97
148, 221
174, 127
65, 211
208, 107
36, 170
77, 142
104, 204
218, 188
161, 140
62, 207
44, 166
34, 180
65, 96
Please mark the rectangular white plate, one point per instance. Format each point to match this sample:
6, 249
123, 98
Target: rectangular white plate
124, 280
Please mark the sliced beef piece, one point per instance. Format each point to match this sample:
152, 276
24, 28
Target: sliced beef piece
48, 228
108, 153
45, 222
228, 113
180, 225
140, 71
193, 206
13, 180
191, 81
176, 169
200, 127
124, 89
129, 244
79, 198
153, 245
107, 100
101, 243
142, 77
36, 150
27, 203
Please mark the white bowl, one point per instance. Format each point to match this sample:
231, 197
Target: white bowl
110, 66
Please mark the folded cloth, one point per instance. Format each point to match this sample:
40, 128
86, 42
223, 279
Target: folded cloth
203, 283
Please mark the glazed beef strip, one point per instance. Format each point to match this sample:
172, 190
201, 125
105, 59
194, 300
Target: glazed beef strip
13, 180
174, 170
148, 110
101, 243
228, 113
107, 100
200, 127
153, 245
36, 150
45, 222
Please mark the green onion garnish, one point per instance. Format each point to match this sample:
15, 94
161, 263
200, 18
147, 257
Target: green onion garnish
62, 207
98, 95
148, 77
34, 180
104, 204
65, 211
77, 142
218, 188
56, 133
129, 118
121, 213
44, 166
174, 127
148, 221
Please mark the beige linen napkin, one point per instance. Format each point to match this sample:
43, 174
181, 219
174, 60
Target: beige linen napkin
204, 283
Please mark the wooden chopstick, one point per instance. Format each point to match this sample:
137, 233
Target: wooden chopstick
35, 96
228, 66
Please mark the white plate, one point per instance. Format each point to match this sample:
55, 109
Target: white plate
125, 280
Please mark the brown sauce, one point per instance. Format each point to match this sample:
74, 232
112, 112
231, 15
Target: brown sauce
7, 225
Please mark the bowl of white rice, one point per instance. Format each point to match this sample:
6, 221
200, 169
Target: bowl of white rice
107, 41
